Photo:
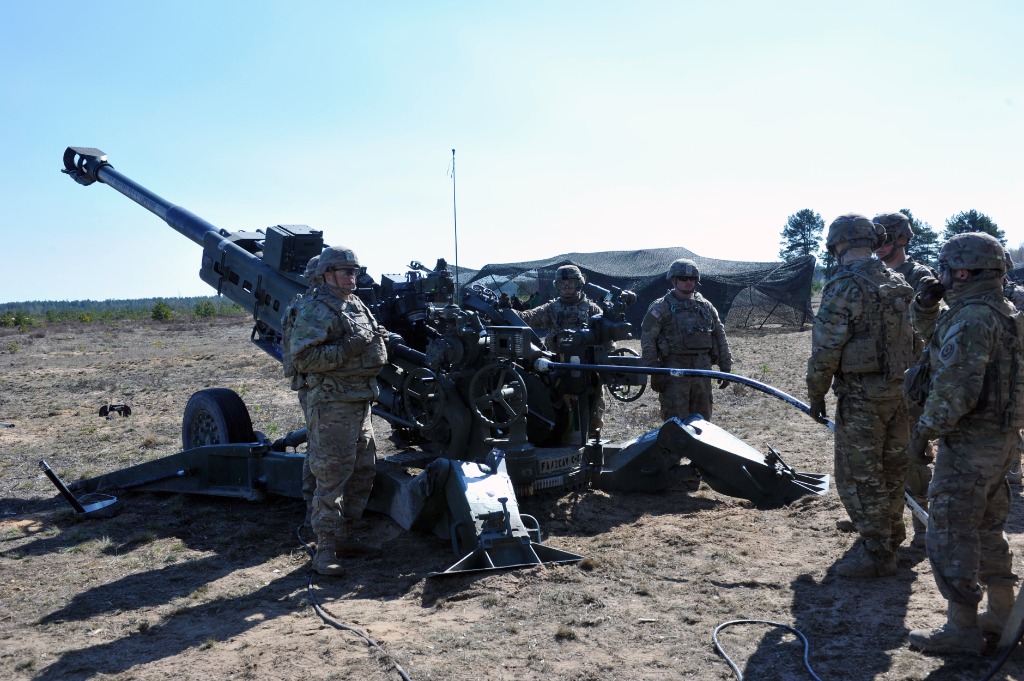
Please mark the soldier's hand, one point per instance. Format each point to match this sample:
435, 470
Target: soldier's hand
722, 383
931, 292
659, 382
917, 450
818, 411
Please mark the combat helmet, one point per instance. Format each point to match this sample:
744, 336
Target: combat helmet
856, 231
336, 256
569, 272
896, 225
682, 268
310, 271
973, 251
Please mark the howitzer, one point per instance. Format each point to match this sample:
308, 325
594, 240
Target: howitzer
491, 416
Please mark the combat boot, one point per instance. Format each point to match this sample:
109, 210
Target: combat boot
845, 525
960, 633
307, 523
325, 562
346, 544
1000, 602
861, 565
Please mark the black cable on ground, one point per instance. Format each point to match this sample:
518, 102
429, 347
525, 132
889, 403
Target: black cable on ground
337, 624
735, 669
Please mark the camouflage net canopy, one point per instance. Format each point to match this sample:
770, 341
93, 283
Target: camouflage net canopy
745, 293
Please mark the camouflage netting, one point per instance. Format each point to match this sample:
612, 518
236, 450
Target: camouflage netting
745, 293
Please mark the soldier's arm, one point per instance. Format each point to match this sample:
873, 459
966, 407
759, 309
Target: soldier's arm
537, 317
833, 326
923, 317
958, 372
310, 347
650, 329
720, 354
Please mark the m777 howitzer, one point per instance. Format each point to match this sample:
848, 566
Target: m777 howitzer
489, 415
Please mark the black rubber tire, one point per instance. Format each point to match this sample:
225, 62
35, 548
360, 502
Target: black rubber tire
215, 416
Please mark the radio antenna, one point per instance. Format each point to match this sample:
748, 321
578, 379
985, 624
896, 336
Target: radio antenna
455, 226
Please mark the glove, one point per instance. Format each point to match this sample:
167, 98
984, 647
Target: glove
931, 292
818, 411
917, 450
722, 383
659, 382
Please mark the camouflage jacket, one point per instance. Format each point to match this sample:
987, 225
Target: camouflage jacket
862, 338
677, 327
975, 359
556, 317
339, 346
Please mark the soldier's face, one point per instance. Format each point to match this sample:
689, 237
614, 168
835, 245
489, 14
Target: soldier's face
684, 284
342, 278
567, 288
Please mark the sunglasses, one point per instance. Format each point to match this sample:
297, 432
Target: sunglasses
347, 271
687, 278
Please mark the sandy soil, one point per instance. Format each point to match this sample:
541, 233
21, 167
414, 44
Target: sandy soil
198, 588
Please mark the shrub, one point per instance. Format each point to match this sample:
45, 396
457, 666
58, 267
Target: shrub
203, 309
161, 312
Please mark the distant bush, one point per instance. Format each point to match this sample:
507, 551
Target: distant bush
203, 309
162, 312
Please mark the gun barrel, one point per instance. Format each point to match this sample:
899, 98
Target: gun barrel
87, 165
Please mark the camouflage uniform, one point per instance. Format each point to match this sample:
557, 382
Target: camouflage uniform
919, 474
684, 334
861, 345
971, 358
1015, 294
339, 346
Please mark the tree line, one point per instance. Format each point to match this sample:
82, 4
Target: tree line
803, 232
40, 312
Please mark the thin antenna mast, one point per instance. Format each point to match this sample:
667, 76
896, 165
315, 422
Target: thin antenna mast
455, 225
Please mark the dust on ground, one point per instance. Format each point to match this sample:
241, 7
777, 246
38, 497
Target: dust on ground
200, 588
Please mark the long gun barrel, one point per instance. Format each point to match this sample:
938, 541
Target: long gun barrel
259, 271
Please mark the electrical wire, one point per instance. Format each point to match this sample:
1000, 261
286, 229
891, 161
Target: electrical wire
337, 624
735, 669
1006, 655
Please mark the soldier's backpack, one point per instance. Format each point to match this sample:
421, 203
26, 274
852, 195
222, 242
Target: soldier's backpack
883, 339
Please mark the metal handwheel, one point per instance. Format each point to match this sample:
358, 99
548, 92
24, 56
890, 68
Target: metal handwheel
497, 395
626, 393
423, 397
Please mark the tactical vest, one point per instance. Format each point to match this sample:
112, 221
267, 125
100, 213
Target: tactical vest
363, 324
688, 330
567, 318
882, 339
1003, 371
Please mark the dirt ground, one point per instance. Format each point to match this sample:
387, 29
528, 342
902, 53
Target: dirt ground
199, 588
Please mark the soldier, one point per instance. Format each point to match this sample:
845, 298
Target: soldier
974, 410
298, 380
1014, 292
340, 348
682, 330
566, 314
861, 345
893, 252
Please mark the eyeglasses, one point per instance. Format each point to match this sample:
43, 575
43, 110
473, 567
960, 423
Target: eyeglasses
687, 278
347, 271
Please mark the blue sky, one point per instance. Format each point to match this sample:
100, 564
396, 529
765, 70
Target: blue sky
578, 126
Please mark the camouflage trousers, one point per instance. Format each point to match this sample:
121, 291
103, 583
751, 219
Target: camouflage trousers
871, 468
970, 501
343, 460
684, 396
919, 475
308, 479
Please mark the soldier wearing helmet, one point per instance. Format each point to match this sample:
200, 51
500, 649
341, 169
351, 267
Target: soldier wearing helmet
569, 312
338, 346
893, 252
974, 408
682, 330
861, 345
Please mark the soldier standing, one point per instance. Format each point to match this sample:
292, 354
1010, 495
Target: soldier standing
974, 410
566, 314
339, 346
682, 330
893, 252
298, 380
861, 345
1014, 292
